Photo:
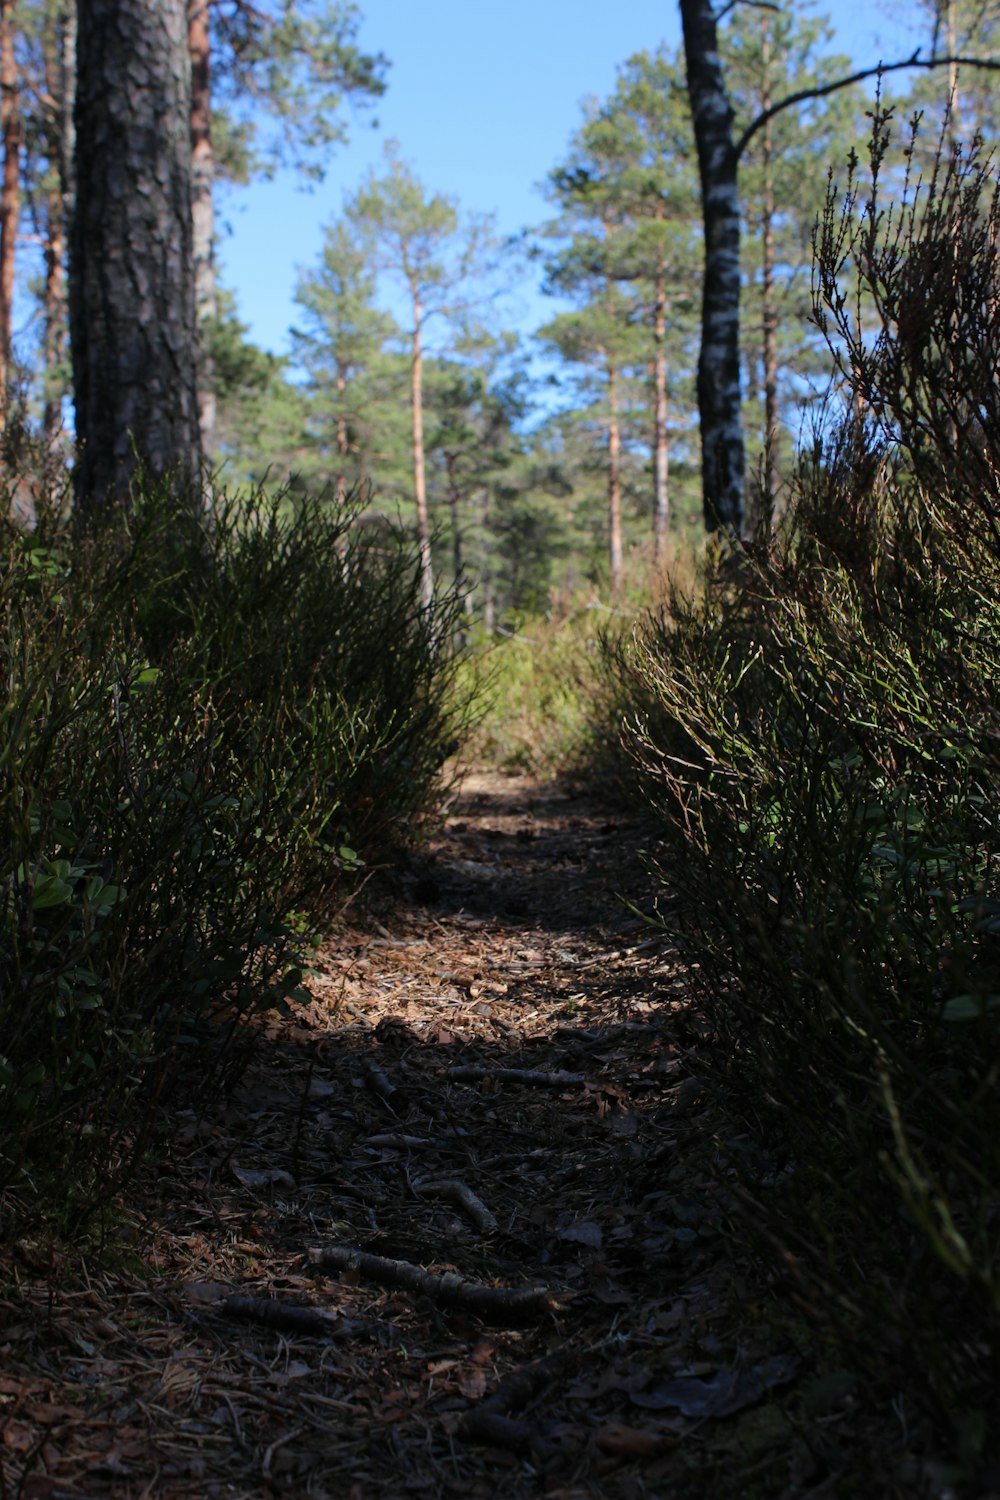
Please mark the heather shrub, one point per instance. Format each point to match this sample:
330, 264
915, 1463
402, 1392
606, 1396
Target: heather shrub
214, 727
816, 730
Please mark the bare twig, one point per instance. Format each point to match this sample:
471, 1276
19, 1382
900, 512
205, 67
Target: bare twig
282, 1316
457, 1191
379, 1083
492, 1303
820, 90
556, 1079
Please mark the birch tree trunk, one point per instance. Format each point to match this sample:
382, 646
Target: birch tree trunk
132, 316
419, 469
722, 454
10, 205
202, 210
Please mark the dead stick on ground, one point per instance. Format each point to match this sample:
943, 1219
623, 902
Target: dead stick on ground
490, 1421
457, 1191
282, 1316
379, 1083
492, 1303
554, 1080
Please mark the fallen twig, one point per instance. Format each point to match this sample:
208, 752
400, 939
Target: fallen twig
401, 1142
490, 1421
450, 1187
492, 1303
379, 1083
282, 1316
556, 1079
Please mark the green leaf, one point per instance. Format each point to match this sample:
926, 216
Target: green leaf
50, 890
968, 1007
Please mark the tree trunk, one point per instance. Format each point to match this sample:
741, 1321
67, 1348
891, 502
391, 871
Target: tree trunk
457, 551
202, 211
719, 362
419, 476
769, 312
342, 438
60, 68
614, 482
486, 576
10, 206
661, 454
132, 315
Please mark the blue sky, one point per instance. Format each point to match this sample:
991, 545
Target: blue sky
483, 99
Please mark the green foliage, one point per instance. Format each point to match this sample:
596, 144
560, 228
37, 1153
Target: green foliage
209, 728
816, 728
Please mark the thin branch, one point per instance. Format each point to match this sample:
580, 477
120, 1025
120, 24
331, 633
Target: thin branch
986, 64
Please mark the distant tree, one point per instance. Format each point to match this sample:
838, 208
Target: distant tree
268, 87
419, 238
769, 54
10, 200
339, 345
132, 314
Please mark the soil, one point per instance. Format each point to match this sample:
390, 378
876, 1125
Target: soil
495, 1083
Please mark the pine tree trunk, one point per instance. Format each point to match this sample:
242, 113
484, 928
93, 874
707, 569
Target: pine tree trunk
661, 454
486, 576
203, 211
614, 482
772, 421
457, 551
132, 316
722, 454
419, 474
342, 438
10, 205
60, 66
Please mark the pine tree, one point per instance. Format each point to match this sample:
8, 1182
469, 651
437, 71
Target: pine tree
134, 336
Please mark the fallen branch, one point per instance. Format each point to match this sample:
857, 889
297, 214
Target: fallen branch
531, 1076
457, 1191
496, 1431
282, 1316
379, 1083
492, 1303
401, 1142
490, 1422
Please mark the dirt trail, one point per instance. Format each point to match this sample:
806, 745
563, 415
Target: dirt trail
506, 948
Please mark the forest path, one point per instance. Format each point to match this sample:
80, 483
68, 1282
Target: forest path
506, 947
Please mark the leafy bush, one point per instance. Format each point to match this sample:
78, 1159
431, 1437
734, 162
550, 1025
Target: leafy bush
211, 725
818, 731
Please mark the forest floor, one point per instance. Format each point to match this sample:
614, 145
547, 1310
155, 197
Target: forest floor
379, 1117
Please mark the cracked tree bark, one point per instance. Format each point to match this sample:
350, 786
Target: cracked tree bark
132, 307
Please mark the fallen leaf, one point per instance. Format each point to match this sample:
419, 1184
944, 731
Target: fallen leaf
727, 1392
584, 1233
202, 1293
472, 1383
627, 1442
269, 1177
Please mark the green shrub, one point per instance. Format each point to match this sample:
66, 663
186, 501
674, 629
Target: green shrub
817, 730
210, 726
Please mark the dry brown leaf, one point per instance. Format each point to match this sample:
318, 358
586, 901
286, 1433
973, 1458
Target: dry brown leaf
627, 1442
472, 1383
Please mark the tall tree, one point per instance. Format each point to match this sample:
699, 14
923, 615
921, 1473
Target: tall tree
419, 239
268, 87
769, 54
722, 452
132, 313
10, 202
340, 344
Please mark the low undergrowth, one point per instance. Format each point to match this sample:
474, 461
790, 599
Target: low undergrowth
817, 731
213, 727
